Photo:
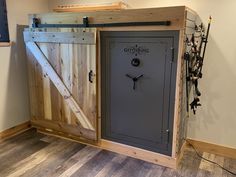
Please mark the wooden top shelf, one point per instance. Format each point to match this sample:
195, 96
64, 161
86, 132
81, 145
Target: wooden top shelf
177, 16
88, 8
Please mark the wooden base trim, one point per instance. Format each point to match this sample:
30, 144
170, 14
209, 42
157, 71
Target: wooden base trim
64, 128
130, 151
50, 132
5, 44
213, 148
15, 130
138, 153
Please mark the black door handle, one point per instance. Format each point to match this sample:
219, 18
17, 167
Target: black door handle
91, 75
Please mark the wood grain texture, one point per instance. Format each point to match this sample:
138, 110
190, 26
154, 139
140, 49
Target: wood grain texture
87, 8
138, 153
64, 127
178, 98
81, 37
67, 136
59, 84
213, 148
71, 64
34, 154
181, 114
15, 130
173, 14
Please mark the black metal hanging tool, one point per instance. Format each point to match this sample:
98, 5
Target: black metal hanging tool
134, 79
194, 63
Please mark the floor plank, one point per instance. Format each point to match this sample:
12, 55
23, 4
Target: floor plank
112, 167
93, 166
33, 154
231, 165
134, 167
77, 161
54, 160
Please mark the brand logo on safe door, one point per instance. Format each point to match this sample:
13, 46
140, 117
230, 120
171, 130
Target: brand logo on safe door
136, 50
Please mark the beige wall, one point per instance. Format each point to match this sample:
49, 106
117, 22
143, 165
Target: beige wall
14, 104
216, 119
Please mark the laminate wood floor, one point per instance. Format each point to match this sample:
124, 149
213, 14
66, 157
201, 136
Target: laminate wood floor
32, 154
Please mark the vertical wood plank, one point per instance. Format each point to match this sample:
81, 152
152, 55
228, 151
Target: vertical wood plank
54, 59
66, 53
31, 83
46, 86
39, 91
75, 80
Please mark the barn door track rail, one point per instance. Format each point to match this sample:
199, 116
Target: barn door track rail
51, 73
37, 24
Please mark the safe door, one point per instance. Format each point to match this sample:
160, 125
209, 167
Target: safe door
138, 88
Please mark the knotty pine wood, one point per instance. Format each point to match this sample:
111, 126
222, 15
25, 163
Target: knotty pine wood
72, 63
60, 126
15, 130
173, 14
59, 84
138, 153
181, 115
78, 37
34, 154
213, 148
87, 8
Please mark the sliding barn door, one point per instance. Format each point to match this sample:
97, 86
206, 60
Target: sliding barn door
62, 80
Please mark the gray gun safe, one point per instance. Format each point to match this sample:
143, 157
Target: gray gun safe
119, 88
138, 88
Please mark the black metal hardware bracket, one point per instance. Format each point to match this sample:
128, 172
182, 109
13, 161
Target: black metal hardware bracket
37, 24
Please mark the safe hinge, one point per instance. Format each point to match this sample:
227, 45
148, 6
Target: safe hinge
172, 54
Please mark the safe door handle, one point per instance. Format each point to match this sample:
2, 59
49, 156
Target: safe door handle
134, 79
90, 76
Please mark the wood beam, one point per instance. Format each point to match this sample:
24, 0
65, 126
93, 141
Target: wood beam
81, 37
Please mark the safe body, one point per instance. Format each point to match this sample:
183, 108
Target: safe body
138, 88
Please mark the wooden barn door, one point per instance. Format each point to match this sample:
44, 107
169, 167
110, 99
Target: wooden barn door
62, 80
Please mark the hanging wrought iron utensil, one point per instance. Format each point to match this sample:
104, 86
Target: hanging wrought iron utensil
194, 63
